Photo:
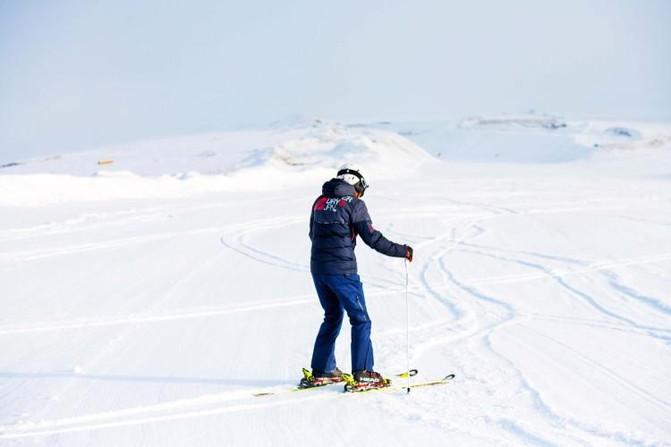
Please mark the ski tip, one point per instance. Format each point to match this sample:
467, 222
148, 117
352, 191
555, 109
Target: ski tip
449, 377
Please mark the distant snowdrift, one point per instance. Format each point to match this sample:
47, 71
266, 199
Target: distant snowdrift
233, 161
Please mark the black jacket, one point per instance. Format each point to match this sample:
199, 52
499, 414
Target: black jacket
336, 220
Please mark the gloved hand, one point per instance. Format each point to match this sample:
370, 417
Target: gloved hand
408, 253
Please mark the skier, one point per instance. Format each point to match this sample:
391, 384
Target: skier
338, 216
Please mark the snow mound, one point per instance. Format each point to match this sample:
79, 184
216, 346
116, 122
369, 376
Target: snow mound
625, 136
231, 161
377, 151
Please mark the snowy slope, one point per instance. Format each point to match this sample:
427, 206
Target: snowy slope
146, 301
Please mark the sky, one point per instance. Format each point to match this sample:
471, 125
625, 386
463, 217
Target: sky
79, 74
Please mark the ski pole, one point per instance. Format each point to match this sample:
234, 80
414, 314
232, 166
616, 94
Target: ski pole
407, 327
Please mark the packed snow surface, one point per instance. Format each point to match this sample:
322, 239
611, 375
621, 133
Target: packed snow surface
152, 290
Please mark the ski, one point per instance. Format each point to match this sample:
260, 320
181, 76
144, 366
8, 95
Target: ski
351, 388
307, 374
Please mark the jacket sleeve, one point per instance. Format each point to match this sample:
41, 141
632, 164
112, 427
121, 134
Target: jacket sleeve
312, 219
312, 216
363, 226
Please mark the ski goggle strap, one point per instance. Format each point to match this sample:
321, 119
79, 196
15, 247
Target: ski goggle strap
362, 185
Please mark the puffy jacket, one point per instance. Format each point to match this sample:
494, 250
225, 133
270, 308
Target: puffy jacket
336, 220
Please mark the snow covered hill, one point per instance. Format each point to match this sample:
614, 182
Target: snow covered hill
233, 161
300, 146
151, 290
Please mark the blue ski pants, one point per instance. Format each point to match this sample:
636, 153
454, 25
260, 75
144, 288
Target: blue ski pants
339, 294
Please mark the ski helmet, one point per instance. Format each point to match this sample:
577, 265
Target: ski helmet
352, 175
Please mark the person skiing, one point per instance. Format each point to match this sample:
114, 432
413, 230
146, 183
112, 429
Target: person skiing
338, 215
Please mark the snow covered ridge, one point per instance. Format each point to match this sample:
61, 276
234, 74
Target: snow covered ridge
531, 138
592, 134
308, 151
231, 161
294, 149
528, 121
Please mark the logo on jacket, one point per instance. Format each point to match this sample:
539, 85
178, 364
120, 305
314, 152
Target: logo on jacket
332, 204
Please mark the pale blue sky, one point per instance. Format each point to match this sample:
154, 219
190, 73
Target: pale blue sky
78, 74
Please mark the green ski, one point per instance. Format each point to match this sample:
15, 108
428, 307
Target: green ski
351, 385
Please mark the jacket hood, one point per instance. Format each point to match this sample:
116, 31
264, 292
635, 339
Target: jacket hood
337, 188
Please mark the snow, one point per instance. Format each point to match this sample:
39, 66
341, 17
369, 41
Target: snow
145, 301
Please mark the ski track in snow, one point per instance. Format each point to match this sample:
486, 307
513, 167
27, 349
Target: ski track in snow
426, 288
553, 417
210, 405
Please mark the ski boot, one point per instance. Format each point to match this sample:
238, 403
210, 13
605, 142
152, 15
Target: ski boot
364, 381
311, 380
